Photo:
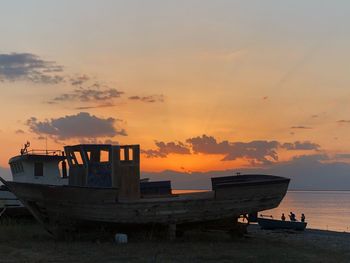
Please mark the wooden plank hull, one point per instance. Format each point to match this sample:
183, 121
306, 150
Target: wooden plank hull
67, 205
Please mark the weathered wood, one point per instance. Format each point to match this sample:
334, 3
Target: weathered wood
115, 166
126, 172
62, 204
171, 232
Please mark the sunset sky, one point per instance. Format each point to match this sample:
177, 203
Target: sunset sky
200, 85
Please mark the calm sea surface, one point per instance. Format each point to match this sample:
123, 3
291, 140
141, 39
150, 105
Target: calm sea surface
328, 210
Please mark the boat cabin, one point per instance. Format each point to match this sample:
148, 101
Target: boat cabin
107, 166
39, 166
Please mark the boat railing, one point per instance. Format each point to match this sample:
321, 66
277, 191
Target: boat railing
43, 152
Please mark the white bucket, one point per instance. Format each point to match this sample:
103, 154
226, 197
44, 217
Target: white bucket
121, 238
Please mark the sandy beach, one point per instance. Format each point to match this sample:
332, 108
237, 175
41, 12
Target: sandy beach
28, 242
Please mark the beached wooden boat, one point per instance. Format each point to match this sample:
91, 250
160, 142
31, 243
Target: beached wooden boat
269, 223
104, 187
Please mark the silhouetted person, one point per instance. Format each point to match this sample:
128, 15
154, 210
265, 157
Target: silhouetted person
283, 217
302, 218
292, 217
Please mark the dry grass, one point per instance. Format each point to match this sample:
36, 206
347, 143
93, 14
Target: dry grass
26, 241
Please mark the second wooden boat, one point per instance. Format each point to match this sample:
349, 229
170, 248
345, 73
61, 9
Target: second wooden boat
269, 223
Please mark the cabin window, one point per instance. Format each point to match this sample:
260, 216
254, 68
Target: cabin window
78, 158
126, 154
131, 157
122, 154
17, 167
104, 156
38, 169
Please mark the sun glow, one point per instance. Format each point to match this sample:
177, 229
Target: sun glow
189, 163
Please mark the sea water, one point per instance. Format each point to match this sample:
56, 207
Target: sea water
327, 210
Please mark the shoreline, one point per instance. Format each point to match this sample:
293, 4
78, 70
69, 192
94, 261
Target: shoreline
309, 237
28, 242
311, 230
328, 231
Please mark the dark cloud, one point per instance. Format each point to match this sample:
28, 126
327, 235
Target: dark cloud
154, 153
301, 127
167, 148
79, 80
83, 125
344, 121
307, 145
256, 152
90, 94
148, 99
310, 158
97, 95
109, 141
19, 131
208, 145
106, 105
342, 156
62, 97
29, 67
97, 141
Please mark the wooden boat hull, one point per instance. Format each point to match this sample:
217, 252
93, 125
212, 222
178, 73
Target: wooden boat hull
71, 205
266, 223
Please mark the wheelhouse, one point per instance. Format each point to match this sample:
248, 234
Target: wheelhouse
104, 165
39, 166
